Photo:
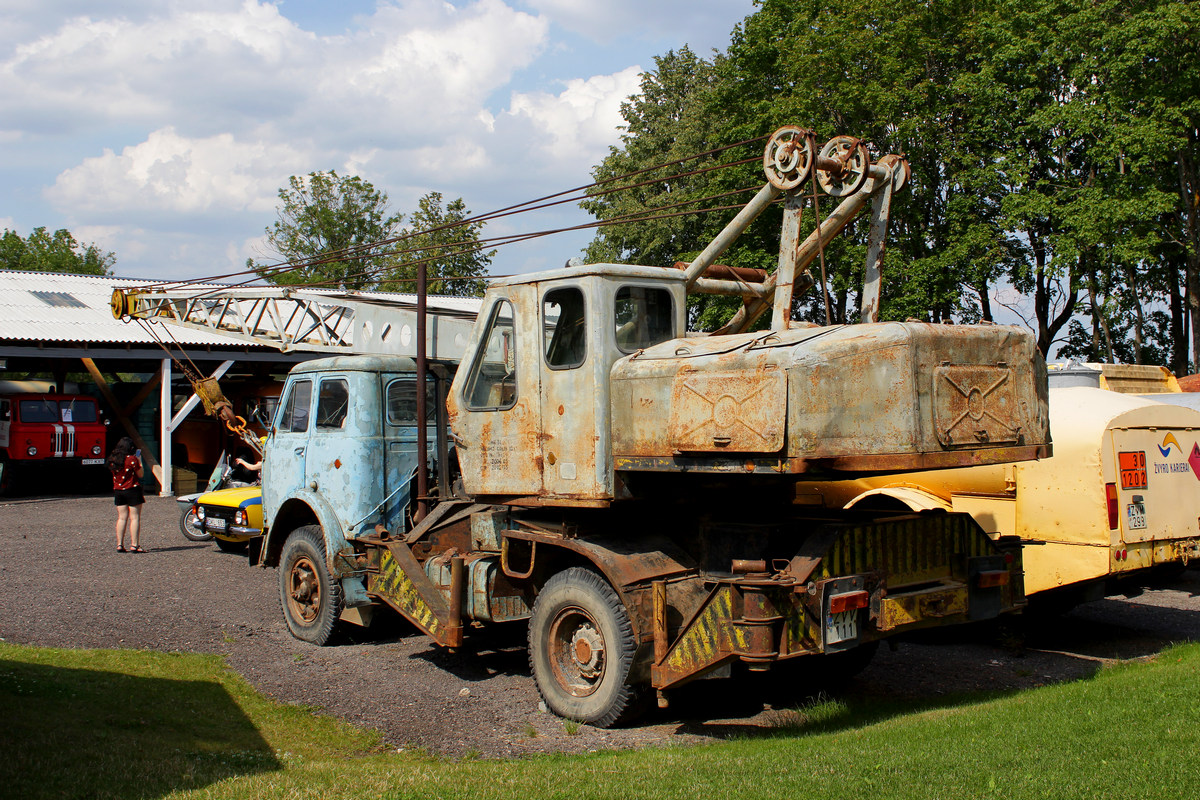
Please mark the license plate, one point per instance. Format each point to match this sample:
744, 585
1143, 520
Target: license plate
841, 626
88, 462
1137, 516
215, 524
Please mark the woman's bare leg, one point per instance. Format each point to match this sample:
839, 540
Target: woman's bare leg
122, 521
135, 525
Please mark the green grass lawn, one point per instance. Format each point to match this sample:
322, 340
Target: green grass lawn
138, 724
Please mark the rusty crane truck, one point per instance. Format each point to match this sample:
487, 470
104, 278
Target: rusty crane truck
629, 489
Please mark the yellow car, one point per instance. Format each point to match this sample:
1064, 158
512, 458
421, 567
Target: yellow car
233, 516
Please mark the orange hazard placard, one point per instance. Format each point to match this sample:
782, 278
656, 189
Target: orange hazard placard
1133, 469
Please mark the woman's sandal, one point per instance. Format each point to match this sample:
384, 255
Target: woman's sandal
120, 548
136, 549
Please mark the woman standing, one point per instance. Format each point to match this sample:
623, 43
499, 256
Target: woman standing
126, 466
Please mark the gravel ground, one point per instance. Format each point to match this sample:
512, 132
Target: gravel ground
64, 585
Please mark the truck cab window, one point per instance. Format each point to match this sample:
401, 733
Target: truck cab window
563, 324
78, 411
294, 418
39, 411
644, 317
332, 401
493, 380
402, 401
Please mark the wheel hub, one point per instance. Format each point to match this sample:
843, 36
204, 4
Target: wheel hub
306, 590
588, 650
577, 652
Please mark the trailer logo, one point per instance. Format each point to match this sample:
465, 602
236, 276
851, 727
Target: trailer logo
1184, 464
1165, 447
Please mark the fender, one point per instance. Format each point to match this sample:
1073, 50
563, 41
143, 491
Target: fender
624, 567
305, 507
914, 497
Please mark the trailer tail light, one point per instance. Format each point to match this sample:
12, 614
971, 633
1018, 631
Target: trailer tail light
1110, 491
850, 601
990, 579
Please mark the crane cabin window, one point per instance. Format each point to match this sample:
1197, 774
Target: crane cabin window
294, 417
644, 317
563, 327
493, 381
332, 401
402, 401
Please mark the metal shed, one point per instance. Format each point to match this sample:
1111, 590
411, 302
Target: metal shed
59, 323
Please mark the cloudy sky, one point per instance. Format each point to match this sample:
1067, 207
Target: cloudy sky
162, 131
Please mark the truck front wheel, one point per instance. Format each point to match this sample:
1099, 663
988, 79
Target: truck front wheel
311, 598
581, 649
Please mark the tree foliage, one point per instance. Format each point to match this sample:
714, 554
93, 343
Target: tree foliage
328, 227
448, 243
338, 231
43, 251
1055, 149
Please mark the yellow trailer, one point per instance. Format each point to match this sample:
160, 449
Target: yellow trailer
1119, 498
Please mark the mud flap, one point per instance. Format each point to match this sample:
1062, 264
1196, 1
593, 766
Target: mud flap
402, 584
987, 576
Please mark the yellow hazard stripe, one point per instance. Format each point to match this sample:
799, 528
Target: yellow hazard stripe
711, 636
393, 583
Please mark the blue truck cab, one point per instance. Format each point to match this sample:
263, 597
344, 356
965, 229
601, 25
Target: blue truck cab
340, 459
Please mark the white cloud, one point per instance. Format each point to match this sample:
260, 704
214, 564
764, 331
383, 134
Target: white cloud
230, 65
579, 123
172, 173
168, 126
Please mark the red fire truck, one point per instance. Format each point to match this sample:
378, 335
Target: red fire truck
48, 430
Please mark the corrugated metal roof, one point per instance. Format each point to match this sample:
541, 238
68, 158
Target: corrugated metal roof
56, 307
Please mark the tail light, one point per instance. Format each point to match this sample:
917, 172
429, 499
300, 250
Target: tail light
1110, 491
849, 601
992, 578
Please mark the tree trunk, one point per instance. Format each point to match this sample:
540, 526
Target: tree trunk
1179, 346
1189, 206
985, 302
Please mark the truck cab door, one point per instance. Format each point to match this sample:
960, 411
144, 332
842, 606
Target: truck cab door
5, 422
569, 398
400, 435
283, 467
343, 460
494, 403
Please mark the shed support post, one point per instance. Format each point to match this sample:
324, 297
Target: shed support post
164, 429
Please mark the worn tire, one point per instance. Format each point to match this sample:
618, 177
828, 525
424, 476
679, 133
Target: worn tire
310, 597
191, 534
581, 649
227, 546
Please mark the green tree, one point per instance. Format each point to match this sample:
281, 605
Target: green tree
448, 242
675, 117
329, 227
1055, 148
43, 251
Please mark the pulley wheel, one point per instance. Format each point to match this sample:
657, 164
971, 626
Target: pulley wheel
788, 157
855, 165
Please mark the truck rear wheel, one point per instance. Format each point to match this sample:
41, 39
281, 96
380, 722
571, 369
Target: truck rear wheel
311, 598
581, 649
